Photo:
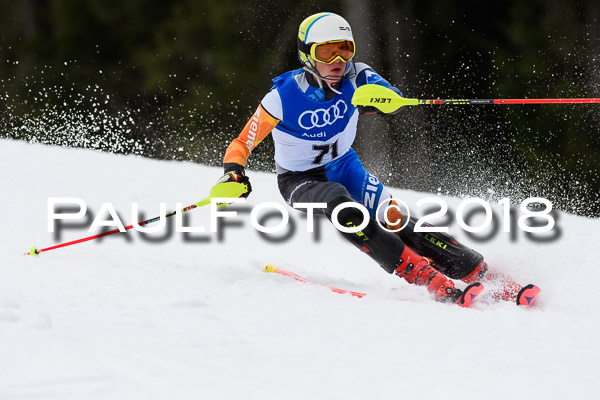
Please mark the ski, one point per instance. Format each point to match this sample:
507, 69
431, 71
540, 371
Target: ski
528, 295
469, 294
465, 300
274, 269
502, 287
507, 289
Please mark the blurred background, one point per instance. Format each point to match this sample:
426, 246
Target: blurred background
179, 79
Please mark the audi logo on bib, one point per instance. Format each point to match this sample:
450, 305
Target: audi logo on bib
322, 117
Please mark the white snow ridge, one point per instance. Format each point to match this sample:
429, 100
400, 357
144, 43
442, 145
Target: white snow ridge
192, 316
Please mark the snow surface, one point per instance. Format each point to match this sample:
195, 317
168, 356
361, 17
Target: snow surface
123, 318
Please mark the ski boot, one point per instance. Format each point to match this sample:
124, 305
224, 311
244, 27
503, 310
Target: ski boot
417, 270
448, 256
456, 260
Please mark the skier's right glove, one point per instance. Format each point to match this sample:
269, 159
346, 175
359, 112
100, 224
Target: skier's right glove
234, 183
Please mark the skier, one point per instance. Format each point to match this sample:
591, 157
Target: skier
313, 124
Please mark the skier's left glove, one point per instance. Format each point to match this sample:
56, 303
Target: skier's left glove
234, 183
369, 110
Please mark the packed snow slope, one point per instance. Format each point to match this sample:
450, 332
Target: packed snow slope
194, 316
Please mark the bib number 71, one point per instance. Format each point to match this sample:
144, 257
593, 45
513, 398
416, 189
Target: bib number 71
323, 150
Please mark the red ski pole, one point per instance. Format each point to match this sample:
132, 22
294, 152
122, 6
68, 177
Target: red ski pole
389, 101
224, 191
34, 251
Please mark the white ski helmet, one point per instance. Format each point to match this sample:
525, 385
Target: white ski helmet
320, 28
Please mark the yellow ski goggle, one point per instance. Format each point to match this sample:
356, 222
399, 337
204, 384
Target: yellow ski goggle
328, 52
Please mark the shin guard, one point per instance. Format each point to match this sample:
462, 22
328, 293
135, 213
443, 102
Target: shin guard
449, 256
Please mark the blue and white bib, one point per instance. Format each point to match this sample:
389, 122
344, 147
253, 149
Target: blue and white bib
311, 132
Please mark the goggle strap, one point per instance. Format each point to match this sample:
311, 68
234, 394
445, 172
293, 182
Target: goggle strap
304, 47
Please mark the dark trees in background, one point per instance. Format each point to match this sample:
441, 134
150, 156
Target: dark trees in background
179, 79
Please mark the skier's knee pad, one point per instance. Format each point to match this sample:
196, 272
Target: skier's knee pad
450, 257
383, 247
